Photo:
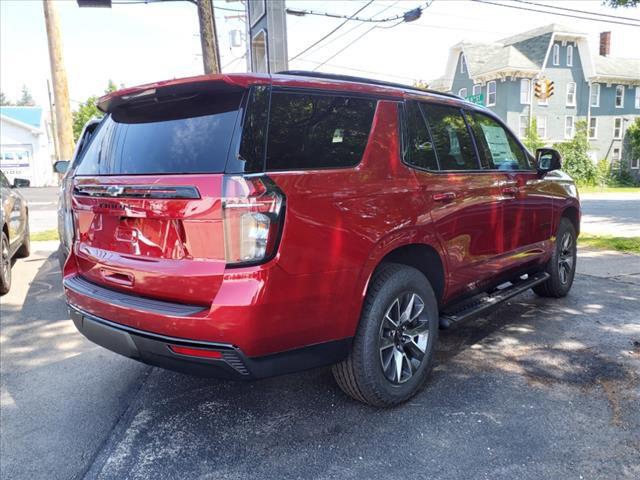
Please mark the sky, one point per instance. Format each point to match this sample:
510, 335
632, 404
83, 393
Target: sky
140, 43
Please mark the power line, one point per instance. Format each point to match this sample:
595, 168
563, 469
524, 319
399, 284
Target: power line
486, 2
406, 16
578, 11
358, 69
332, 31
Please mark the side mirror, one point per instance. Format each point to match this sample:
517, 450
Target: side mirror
548, 160
21, 183
61, 166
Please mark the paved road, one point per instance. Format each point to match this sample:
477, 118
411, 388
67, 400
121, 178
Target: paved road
43, 204
611, 214
538, 389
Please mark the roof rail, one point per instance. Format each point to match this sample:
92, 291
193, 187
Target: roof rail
370, 81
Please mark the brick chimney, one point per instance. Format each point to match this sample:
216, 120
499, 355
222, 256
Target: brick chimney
605, 43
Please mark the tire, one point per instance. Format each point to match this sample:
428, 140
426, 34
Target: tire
380, 339
562, 265
5, 265
25, 249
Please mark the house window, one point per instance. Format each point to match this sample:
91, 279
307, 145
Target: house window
556, 54
615, 157
525, 91
635, 163
619, 96
637, 97
462, 92
570, 56
523, 125
541, 123
477, 89
617, 128
593, 128
491, 93
595, 95
568, 126
462, 63
571, 94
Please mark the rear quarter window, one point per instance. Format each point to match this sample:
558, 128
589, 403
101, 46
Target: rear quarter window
309, 131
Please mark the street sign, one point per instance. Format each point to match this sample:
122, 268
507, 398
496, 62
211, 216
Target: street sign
477, 99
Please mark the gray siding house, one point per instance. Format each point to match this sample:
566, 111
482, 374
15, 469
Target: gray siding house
599, 89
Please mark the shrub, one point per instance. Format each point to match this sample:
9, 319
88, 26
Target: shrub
575, 156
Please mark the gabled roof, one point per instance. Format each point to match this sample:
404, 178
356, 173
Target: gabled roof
30, 116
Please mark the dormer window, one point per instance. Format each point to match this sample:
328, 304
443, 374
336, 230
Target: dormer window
619, 96
570, 56
462, 68
556, 54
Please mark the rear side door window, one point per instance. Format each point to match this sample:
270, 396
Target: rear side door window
309, 131
419, 150
496, 145
450, 135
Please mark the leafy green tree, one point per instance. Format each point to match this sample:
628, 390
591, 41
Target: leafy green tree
4, 100
26, 100
531, 138
621, 3
575, 156
633, 133
87, 110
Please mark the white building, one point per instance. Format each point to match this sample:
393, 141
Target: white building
26, 146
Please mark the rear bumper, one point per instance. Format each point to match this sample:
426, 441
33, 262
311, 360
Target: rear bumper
155, 349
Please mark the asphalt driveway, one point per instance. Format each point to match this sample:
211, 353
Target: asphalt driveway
538, 389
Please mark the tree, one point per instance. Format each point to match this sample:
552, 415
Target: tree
621, 3
531, 138
575, 156
4, 100
26, 100
633, 133
87, 110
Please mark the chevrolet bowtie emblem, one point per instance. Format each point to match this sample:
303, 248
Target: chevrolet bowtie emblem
114, 191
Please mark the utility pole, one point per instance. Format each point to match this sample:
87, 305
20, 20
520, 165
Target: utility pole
208, 37
54, 129
64, 126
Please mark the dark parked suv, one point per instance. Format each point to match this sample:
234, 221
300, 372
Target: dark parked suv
244, 226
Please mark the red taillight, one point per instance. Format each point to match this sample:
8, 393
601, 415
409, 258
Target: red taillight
253, 213
195, 352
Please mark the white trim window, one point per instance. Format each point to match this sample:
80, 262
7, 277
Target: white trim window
619, 96
523, 125
593, 128
635, 163
541, 124
477, 89
615, 156
617, 128
571, 94
637, 103
462, 92
556, 54
595, 94
491, 93
569, 126
462, 62
570, 56
525, 91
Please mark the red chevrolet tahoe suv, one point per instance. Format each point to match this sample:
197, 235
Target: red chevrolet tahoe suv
244, 226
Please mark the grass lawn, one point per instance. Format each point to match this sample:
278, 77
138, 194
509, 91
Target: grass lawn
609, 190
45, 235
622, 244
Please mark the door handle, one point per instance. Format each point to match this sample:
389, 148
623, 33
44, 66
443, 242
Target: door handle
444, 197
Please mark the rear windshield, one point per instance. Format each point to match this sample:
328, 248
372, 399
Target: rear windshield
186, 137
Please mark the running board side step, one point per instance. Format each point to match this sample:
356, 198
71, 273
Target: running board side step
479, 304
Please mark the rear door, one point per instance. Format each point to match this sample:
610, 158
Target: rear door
462, 198
147, 196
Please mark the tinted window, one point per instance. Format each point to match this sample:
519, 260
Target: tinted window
419, 149
451, 138
254, 131
496, 145
317, 131
184, 137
